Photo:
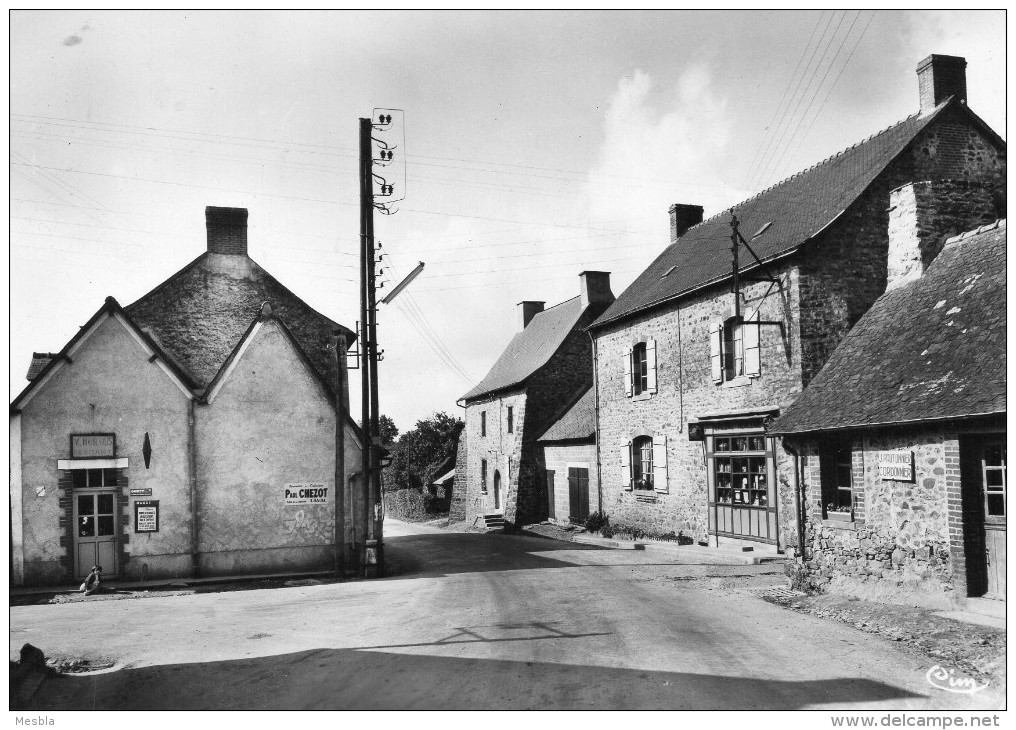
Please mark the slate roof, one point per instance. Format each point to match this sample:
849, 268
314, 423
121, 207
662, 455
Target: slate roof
200, 313
578, 421
928, 350
797, 209
39, 361
530, 349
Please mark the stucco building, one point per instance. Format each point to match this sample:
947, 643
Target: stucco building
545, 367
190, 433
568, 454
688, 376
902, 434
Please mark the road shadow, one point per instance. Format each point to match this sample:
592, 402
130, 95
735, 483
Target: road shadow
448, 553
352, 679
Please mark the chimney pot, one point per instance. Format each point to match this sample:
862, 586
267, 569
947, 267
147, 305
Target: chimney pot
527, 310
227, 230
939, 77
683, 217
595, 288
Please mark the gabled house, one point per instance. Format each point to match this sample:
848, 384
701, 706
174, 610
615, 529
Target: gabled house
547, 364
696, 357
902, 435
191, 433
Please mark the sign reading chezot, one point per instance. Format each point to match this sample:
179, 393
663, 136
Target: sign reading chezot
306, 494
93, 445
896, 465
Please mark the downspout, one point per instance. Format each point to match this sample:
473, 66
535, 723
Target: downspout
798, 501
192, 465
596, 425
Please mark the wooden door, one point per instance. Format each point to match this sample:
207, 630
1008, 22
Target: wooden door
993, 481
578, 494
94, 532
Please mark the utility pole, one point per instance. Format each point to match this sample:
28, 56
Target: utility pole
340, 457
735, 238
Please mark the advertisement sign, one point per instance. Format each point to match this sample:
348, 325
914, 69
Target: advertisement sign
93, 445
141, 492
305, 493
896, 465
146, 515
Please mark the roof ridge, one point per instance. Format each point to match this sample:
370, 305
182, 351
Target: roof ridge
812, 167
559, 304
961, 237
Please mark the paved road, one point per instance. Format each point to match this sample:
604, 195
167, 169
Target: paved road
480, 622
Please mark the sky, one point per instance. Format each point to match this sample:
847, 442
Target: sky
534, 146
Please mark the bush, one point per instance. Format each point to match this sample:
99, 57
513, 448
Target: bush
607, 530
596, 522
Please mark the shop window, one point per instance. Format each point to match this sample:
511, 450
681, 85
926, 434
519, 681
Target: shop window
511, 420
640, 369
93, 478
835, 473
483, 475
740, 471
644, 463
734, 348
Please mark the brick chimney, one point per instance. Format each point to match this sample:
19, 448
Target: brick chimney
683, 217
227, 230
528, 310
938, 78
595, 288
923, 215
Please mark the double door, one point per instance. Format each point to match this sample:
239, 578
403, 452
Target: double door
95, 531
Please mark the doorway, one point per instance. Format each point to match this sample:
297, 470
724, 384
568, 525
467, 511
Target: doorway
94, 532
984, 480
578, 494
497, 489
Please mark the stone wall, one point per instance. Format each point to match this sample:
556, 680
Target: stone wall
496, 447
897, 548
686, 393
460, 486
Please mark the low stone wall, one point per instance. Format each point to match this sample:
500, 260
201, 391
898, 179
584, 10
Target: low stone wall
405, 504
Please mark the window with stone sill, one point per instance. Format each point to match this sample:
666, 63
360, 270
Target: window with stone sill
734, 349
835, 472
641, 370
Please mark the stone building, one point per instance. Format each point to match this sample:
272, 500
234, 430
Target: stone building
568, 451
190, 433
901, 436
688, 376
546, 366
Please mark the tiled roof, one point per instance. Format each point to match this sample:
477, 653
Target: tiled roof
39, 361
200, 313
578, 422
531, 348
928, 350
796, 210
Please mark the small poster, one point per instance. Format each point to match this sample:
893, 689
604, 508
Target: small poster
305, 494
146, 515
141, 492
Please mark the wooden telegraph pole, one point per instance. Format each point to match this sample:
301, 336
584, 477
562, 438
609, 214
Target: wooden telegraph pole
340, 457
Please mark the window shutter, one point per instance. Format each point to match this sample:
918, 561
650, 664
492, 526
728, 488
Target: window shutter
716, 351
628, 372
752, 359
626, 466
660, 463
651, 365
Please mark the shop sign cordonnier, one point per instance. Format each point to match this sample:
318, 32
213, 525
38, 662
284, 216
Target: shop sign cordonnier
897, 465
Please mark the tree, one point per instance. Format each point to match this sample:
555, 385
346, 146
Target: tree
421, 451
388, 430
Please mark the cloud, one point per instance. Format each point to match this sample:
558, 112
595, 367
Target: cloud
662, 146
72, 40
